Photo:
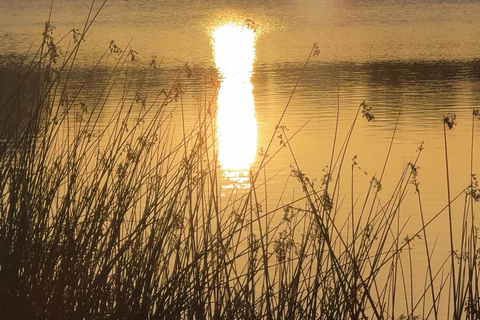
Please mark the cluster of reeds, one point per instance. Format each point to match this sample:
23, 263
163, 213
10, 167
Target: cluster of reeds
122, 219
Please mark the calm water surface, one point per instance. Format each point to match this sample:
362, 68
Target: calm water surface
417, 58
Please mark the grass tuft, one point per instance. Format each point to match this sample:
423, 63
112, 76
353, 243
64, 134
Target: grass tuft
119, 218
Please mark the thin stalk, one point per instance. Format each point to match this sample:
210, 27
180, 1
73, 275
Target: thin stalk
456, 314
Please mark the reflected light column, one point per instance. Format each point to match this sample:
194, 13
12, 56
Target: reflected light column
234, 53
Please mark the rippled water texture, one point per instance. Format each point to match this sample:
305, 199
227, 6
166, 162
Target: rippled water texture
414, 61
346, 30
417, 57
420, 57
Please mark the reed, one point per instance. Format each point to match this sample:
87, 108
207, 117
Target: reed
123, 219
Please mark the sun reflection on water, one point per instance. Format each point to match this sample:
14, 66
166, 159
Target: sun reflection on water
234, 53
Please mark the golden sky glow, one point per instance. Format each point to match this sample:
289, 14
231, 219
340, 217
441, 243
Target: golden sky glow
234, 53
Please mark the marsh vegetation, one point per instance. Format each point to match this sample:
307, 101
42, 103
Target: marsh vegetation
126, 220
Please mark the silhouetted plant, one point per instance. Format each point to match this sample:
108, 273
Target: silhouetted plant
367, 111
121, 221
450, 120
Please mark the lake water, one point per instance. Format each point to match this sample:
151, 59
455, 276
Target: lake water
417, 58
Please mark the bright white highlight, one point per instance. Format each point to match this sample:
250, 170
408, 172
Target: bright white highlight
234, 53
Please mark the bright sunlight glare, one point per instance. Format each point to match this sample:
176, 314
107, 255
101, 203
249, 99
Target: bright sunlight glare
234, 53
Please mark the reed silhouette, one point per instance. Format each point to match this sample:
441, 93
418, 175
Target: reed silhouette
123, 221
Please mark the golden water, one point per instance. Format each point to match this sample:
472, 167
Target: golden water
234, 53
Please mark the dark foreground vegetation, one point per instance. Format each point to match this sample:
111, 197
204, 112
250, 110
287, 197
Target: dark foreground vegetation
120, 219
